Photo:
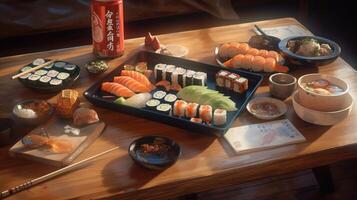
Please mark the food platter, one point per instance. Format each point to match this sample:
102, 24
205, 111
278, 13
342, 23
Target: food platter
96, 96
249, 58
52, 78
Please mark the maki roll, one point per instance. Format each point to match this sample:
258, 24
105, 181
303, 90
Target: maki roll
25, 68
45, 79
200, 78
63, 75
170, 98
41, 72
129, 67
141, 67
240, 85
159, 94
177, 76
164, 108
49, 66
152, 103
221, 76
219, 117
70, 67
25, 76
55, 82
60, 64
191, 110
34, 77
52, 73
159, 72
188, 78
168, 72
196, 120
180, 108
205, 113
230, 80
38, 61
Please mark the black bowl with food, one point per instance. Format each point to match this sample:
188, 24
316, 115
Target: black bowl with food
154, 152
309, 50
32, 112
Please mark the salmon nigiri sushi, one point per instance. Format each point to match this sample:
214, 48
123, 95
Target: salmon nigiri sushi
138, 77
131, 83
117, 89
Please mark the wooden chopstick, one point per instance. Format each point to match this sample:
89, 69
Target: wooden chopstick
46, 177
33, 69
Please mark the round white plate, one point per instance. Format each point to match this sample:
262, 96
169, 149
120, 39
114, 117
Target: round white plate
280, 104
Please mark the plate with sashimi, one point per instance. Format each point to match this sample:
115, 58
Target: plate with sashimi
183, 93
239, 55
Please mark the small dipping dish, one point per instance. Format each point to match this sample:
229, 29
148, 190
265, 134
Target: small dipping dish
32, 112
5, 131
282, 85
266, 108
154, 152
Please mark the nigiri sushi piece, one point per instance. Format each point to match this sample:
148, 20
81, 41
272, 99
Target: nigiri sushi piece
255, 63
165, 84
175, 87
138, 77
131, 83
117, 89
229, 50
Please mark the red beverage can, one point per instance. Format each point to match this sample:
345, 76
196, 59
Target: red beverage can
107, 28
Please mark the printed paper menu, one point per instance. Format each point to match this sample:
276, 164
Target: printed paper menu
262, 136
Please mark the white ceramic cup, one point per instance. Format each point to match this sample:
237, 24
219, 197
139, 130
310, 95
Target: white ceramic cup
282, 85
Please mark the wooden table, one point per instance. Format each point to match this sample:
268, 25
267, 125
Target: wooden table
206, 162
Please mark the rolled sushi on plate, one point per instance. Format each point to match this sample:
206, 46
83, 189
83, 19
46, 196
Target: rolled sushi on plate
179, 108
219, 117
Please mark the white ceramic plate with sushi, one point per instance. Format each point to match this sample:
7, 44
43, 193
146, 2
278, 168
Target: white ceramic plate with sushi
266, 108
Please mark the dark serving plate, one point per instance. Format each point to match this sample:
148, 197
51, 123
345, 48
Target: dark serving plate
298, 60
46, 87
157, 161
221, 60
95, 95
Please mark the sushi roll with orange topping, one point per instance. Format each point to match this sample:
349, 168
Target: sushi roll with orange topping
191, 110
179, 108
205, 113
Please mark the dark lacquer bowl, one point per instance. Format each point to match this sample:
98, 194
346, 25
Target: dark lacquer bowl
143, 151
32, 112
299, 60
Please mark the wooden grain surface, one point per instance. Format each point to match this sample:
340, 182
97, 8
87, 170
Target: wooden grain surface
206, 162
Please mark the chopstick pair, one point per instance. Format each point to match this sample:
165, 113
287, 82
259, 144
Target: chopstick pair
33, 69
46, 177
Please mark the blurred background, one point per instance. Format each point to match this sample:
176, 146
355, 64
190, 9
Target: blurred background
28, 25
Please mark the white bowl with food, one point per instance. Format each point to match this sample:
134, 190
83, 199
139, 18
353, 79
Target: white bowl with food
320, 117
322, 92
266, 108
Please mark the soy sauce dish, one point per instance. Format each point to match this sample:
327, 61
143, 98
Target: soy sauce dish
309, 50
154, 152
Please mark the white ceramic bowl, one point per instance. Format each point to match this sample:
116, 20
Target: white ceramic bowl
320, 117
280, 104
322, 102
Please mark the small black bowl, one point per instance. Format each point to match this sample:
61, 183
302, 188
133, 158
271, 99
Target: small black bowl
156, 161
40, 119
298, 60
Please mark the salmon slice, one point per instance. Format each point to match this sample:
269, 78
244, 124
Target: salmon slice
138, 77
131, 83
117, 89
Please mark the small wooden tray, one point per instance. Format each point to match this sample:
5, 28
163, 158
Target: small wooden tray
55, 128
